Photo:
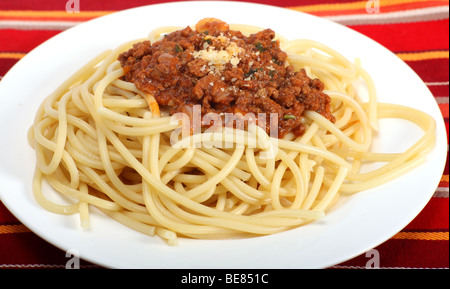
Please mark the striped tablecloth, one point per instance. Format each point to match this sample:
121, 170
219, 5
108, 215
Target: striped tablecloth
416, 30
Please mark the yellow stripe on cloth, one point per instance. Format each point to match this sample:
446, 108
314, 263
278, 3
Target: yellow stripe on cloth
352, 5
12, 55
417, 56
429, 236
12, 229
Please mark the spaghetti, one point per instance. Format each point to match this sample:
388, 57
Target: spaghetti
102, 142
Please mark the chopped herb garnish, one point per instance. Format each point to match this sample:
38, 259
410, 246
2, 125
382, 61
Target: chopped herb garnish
252, 71
207, 40
276, 61
289, 116
272, 73
178, 48
206, 32
260, 47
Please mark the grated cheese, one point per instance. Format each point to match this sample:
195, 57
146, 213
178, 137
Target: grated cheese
217, 59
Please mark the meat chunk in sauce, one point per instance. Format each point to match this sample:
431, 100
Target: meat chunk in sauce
225, 72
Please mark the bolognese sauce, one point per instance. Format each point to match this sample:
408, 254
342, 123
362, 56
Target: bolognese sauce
224, 71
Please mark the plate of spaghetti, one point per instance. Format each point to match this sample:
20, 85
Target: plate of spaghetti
216, 139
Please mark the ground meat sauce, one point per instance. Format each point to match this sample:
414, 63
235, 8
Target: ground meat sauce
225, 72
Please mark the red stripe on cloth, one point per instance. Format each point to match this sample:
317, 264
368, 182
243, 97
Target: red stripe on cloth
431, 70
446, 168
443, 183
396, 253
38, 252
439, 90
433, 217
407, 37
84, 5
6, 64
23, 40
120, 4
5, 215
444, 110
383, 8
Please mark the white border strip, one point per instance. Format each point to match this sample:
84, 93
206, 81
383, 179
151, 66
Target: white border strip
37, 25
424, 14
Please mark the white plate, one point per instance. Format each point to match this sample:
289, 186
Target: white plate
354, 226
